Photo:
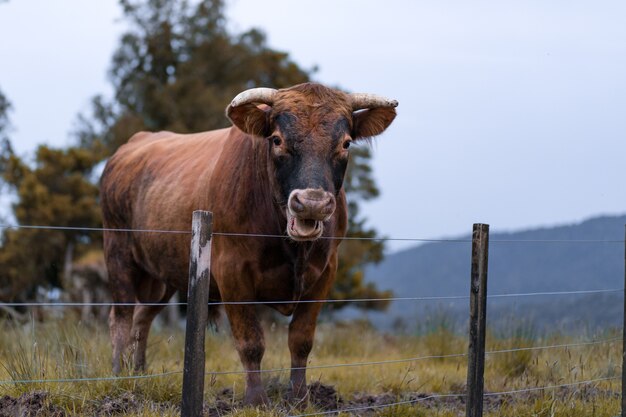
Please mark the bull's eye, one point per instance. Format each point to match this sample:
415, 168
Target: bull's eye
276, 141
346, 144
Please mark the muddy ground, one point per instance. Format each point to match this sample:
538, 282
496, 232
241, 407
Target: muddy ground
324, 397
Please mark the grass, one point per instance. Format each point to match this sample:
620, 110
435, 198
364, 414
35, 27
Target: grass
68, 349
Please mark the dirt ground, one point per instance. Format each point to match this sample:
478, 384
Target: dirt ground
324, 397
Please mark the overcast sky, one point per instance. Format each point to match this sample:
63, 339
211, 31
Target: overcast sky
511, 113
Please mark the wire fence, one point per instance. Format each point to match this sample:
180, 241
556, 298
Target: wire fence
325, 301
283, 236
328, 366
361, 300
452, 395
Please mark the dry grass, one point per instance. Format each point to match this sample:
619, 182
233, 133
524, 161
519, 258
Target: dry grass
67, 349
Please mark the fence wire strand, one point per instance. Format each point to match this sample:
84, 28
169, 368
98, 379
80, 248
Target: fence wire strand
419, 358
374, 406
234, 234
329, 366
550, 387
91, 379
329, 301
356, 364
227, 234
453, 395
91, 229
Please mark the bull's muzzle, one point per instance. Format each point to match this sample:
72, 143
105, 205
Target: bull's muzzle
307, 210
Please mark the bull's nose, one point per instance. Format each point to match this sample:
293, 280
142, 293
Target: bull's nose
314, 204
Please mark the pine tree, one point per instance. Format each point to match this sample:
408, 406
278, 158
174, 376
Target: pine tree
175, 69
5, 106
56, 191
178, 66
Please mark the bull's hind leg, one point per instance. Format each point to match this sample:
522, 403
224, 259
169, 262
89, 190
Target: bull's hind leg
120, 322
121, 271
250, 345
142, 320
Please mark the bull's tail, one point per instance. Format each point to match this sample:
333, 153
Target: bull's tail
214, 315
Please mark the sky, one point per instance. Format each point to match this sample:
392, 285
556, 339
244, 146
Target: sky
511, 113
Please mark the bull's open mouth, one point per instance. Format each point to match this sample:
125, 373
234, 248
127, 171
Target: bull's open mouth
303, 229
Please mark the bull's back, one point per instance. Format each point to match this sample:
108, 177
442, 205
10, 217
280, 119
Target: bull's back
150, 180
154, 182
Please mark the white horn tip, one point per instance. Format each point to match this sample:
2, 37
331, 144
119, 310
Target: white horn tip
366, 100
254, 94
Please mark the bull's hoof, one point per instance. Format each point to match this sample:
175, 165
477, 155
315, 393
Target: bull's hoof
139, 370
256, 397
298, 402
299, 397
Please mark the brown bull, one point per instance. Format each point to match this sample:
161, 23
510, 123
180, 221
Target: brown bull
278, 171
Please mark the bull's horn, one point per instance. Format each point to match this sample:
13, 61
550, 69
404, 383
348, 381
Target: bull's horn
254, 95
369, 101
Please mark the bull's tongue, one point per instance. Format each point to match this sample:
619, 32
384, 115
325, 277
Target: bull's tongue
306, 223
303, 228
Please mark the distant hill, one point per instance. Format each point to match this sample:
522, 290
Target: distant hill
517, 264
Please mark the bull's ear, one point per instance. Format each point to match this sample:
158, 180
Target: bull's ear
250, 110
371, 122
251, 118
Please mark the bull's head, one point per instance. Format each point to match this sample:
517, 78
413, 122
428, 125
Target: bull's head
308, 129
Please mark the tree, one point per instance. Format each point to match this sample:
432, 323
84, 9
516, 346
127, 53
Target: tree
56, 191
177, 67
355, 254
5, 106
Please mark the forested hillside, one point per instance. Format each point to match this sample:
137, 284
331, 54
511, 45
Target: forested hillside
584, 256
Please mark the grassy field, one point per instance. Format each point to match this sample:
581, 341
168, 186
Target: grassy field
68, 349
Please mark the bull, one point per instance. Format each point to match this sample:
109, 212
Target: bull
278, 170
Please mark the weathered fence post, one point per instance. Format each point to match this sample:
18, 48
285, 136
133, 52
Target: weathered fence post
478, 319
197, 313
624, 337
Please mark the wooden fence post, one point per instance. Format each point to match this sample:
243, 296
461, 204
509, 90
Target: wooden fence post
478, 319
624, 337
197, 313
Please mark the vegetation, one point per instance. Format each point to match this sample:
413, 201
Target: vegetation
57, 191
584, 256
175, 69
67, 349
4, 116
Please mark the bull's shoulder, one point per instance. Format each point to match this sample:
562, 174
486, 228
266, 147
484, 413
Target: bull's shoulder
165, 141
147, 136
165, 158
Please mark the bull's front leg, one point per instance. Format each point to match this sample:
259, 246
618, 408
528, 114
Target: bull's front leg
301, 334
250, 345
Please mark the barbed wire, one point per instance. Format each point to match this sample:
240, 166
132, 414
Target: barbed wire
281, 236
453, 395
329, 301
312, 367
